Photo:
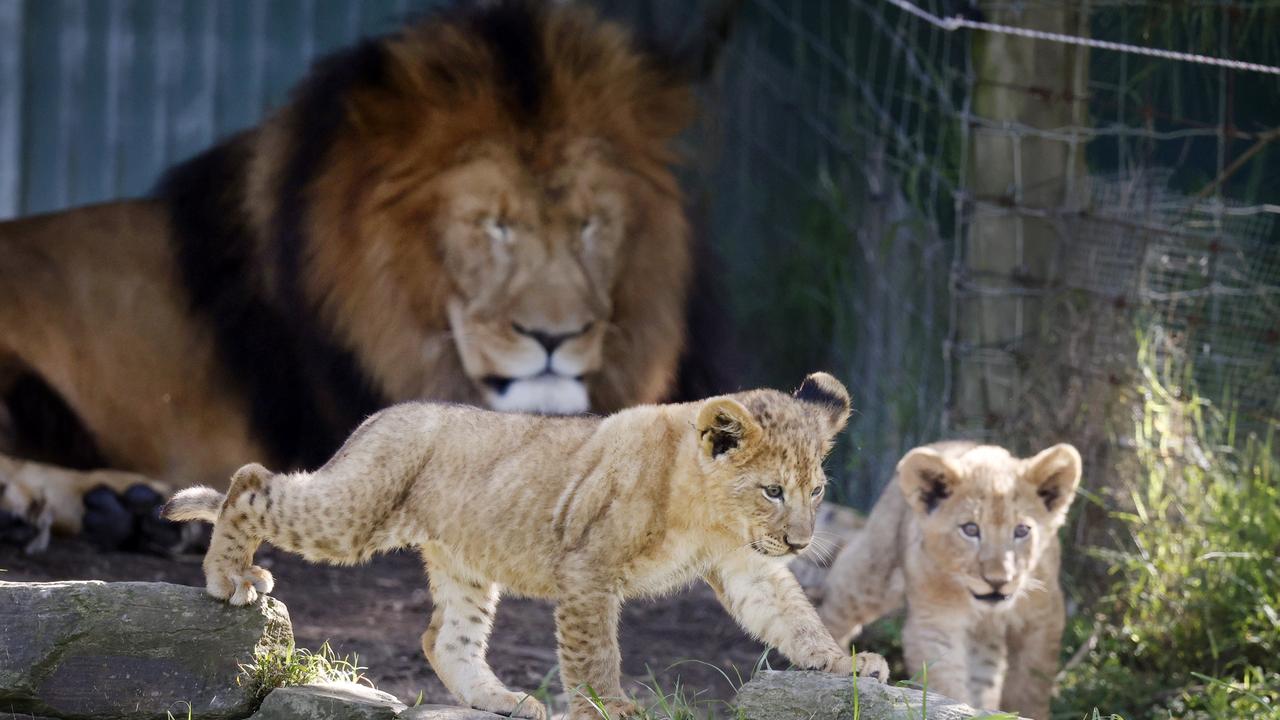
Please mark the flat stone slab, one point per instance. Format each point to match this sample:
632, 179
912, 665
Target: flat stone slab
792, 694
447, 712
348, 701
329, 701
129, 651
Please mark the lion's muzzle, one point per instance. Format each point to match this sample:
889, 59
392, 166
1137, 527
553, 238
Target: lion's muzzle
546, 394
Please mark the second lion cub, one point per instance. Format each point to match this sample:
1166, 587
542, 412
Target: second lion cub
582, 511
967, 537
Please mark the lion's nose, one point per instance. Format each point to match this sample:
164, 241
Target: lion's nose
548, 340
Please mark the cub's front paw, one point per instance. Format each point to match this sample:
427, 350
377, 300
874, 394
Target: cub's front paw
871, 665
865, 664
610, 707
238, 587
511, 704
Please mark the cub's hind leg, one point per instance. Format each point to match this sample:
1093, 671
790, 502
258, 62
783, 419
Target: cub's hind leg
241, 526
457, 639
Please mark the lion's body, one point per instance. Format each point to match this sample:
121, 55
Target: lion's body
478, 209
583, 511
995, 653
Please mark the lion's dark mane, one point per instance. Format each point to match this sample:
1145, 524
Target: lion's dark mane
306, 391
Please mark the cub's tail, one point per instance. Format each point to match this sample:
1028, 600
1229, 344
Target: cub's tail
194, 503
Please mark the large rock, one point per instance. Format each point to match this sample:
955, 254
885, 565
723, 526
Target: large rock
129, 651
787, 695
329, 701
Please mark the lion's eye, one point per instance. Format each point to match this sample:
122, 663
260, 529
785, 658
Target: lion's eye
970, 530
817, 491
773, 492
498, 231
1021, 531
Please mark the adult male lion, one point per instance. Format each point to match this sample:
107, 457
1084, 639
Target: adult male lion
479, 209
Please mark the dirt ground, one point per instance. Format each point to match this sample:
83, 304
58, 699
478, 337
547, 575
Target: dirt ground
379, 610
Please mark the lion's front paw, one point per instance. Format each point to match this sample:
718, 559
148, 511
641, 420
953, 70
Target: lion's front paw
871, 665
26, 518
511, 704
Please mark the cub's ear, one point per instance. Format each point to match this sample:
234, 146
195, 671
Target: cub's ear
926, 478
1055, 474
725, 427
829, 395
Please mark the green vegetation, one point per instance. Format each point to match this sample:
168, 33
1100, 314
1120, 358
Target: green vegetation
275, 668
1190, 627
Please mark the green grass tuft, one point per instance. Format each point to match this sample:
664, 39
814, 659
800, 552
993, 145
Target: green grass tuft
294, 666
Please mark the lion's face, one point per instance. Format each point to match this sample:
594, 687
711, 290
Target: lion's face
497, 222
765, 450
987, 516
532, 263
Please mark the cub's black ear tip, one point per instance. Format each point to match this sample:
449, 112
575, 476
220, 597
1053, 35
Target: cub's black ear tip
823, 389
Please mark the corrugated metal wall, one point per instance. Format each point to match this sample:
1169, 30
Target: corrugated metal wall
97, 97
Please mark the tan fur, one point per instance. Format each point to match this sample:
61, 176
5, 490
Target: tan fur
91, 300
443, 235
584, 511
993, 653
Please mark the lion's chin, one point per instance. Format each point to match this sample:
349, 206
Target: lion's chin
545, 394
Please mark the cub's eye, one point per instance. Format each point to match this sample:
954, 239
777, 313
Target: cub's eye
498, 231
773, 492
817, 492
1021, 531
970, 530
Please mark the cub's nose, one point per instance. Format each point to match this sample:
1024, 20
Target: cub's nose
997, 584
796, 545
549, 340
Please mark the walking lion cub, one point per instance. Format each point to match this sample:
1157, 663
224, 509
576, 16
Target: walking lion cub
968, 533
583, 511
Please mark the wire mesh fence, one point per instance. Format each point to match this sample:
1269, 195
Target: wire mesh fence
978, 231
832, 198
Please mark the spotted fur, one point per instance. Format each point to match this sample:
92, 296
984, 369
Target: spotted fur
584, 511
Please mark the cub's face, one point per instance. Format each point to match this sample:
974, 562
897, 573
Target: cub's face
762, 451
532, 261
986, 516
